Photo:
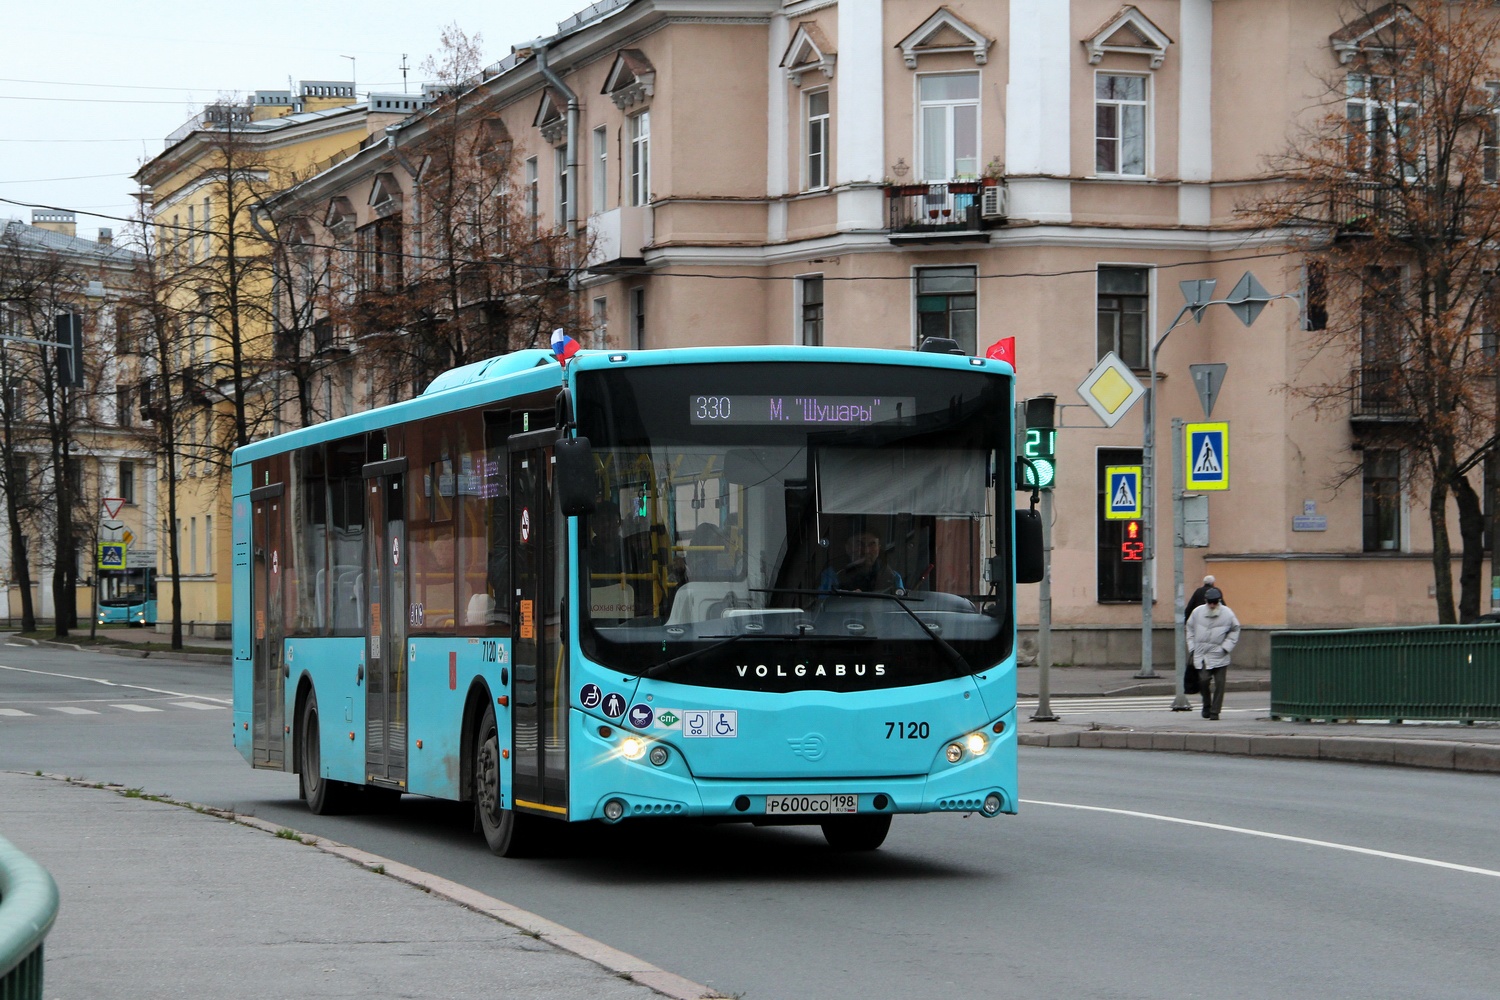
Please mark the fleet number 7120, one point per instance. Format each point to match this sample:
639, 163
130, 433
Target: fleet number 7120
907, 731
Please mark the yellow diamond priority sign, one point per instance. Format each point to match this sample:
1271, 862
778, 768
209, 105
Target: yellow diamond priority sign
1111, 389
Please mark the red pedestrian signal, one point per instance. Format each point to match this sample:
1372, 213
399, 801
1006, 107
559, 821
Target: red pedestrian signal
1133, 548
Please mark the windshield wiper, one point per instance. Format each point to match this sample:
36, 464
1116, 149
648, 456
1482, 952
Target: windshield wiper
954, 657
666, 666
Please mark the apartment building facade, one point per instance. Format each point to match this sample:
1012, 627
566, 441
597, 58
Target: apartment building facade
872, 172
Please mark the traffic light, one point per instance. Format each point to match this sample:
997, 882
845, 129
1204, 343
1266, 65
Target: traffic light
1040, 442
1133, 547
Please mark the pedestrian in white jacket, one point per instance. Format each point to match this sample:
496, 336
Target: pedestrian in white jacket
1212, 632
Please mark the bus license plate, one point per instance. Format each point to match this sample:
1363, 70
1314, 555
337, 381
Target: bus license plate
811, 805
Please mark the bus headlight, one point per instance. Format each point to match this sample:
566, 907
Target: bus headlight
632, 748
955, 753
975, 743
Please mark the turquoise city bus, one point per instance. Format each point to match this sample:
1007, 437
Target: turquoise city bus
760, 584
127, 596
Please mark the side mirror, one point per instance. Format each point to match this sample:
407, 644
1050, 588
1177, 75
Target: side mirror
575, 479
1029, 563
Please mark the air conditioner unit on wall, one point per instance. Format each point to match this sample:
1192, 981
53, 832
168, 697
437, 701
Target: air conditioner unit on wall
992, 202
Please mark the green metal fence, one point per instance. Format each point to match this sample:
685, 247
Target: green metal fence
1431, 672
28, 906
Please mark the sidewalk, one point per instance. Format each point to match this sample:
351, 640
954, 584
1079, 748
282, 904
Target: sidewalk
159, 901
1085, 722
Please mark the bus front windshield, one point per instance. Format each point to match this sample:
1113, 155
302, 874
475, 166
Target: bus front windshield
795, 525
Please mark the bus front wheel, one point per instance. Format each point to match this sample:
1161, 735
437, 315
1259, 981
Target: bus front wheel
325, 797
856, 833
504, 830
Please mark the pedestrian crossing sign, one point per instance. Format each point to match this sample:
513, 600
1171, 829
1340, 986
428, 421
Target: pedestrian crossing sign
1206, 456
112, 555
1122, 501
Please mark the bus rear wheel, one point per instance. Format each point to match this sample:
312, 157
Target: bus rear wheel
325, 797
506, 832
856, 833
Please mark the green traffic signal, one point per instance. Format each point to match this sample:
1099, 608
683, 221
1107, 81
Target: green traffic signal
1040, 442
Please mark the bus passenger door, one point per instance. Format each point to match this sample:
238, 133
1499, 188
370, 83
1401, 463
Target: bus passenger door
268, 699
385, 625
539, 661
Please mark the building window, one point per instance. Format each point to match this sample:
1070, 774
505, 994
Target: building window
601, 162
1120, 125
1124, 306
15, 403
192, 237
208, 543
1315, 307
637, 319
817, 140
561, 155
1117, 580
73, 468
126, 485
206, 232
947, 301
640, 158
1380, 341
1382, 499
124, 410
533, 192
811, 310
948, 125
601, 323
192, 545
1376, 123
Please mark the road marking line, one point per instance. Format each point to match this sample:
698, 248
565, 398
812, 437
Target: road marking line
198, 705
101, 680
13, 712
1431, 862
72, 710
133, 707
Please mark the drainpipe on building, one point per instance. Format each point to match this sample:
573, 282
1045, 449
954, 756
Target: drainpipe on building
539, 49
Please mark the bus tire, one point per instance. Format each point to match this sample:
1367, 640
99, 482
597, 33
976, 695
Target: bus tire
504, 830
856, 833
325, 797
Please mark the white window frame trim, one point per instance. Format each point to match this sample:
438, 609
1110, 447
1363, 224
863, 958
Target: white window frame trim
918, 105
807, 122
1148, 157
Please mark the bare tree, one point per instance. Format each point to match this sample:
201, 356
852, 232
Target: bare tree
1391, 194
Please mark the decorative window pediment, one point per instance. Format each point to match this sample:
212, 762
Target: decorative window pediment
340, 214
491, 136
631, 79
385, 194
549, 117
1381, 30
944, 31
809, 50
1129, 32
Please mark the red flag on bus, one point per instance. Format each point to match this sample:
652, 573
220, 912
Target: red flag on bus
1003, 349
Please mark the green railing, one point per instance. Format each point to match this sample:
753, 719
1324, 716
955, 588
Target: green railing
1432, 672
28, 906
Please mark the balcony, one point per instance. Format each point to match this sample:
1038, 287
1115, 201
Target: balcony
620, 238
960, 211
1378, 396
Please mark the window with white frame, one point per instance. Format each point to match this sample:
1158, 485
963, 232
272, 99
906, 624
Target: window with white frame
125, 489
1124, 304
600, 163
947, 305
1382, 499
192, 237
533, 192
810, 309
816, 132
948, 125
640, 157
561, 156
208, 543
601, 323
206, 233
1120, 125
1379, 125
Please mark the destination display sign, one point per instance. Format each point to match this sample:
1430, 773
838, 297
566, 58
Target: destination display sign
807, 410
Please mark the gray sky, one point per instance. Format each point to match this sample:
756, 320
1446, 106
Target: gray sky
90, 88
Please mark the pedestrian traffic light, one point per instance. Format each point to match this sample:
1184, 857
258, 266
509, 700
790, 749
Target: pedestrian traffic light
1039, 444
1133, 548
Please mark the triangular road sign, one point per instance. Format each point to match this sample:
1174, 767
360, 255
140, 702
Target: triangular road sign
112, 507
1207, 379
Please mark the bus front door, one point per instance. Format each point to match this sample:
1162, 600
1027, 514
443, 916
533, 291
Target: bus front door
268, 697
385, 627
539, 660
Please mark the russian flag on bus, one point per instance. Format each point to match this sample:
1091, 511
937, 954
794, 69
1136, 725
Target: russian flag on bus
563, 346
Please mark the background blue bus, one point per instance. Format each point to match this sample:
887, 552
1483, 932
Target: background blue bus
629, 588
127, 596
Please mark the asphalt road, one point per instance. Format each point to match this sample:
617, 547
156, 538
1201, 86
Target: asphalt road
1126, 874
